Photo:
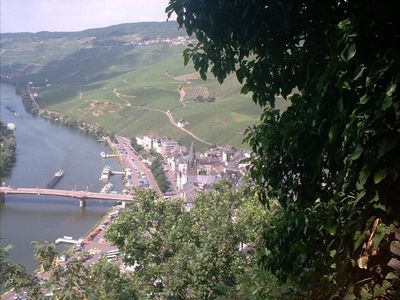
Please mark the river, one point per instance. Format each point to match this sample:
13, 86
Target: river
43, 148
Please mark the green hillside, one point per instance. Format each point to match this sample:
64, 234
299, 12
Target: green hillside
127, 79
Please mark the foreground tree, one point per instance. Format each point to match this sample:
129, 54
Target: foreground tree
196, 254
332, 158
14, 276
103, 280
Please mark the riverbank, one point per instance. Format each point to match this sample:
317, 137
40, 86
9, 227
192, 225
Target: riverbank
7, 150
32, 106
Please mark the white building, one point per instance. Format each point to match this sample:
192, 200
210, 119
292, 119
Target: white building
181, 123
140, 140
11, 126
151, 142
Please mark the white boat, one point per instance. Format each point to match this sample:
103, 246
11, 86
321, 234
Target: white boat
68, 240
105, 174
60, 173
107, 188
57, 176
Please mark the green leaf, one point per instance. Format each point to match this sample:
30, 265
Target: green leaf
364, 99
379, 175
359, 239
348, 52
387, 102
375, 198
185, 59
357, 153
359, 73
345, 24
378, 290
380, 234
203, 74
333, 132
390, 276
359, 196
364, 294
363, 176
380, 206
391, 90
346, 85
349, 296
245, 89
240, 74
331, 228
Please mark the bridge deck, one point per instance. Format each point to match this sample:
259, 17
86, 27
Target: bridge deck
83, 195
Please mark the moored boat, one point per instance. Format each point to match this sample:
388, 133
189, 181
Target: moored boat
105, 174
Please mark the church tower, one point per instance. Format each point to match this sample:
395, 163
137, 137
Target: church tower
187, 169
191, 169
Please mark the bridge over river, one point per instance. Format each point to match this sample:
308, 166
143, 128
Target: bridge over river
81, 195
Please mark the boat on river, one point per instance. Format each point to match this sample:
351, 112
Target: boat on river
57, 176
105, 174
107, 188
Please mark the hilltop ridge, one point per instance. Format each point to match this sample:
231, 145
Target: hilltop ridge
164, 29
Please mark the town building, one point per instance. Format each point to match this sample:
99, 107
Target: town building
187, 169
168, 147
191, 179
197, 172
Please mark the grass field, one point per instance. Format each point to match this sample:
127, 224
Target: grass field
127, 89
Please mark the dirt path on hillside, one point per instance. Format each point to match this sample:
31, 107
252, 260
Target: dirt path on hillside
181, 90
187, 82
167, 113
172, 121
121, 97
124, 95
148, 108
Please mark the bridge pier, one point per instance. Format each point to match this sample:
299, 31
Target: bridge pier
2, 197
82, 203
123, 204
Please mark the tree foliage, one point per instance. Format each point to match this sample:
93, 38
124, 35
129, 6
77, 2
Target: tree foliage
332, 158
157, 169
135, 145
14, 275
7, 149
74, 280
194, 254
